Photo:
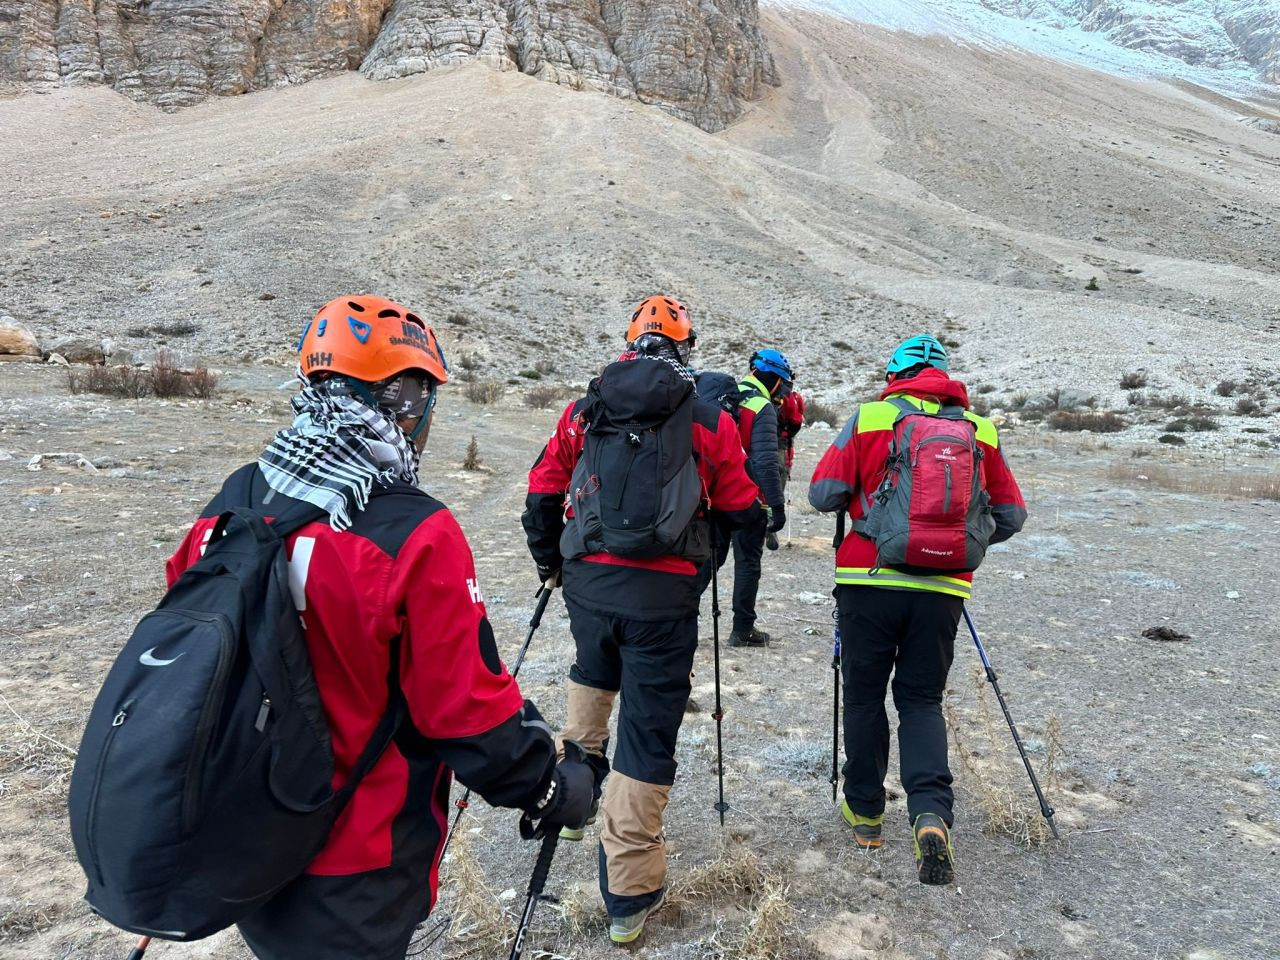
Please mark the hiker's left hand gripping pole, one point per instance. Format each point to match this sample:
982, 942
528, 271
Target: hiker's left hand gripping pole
550, 835
544, 596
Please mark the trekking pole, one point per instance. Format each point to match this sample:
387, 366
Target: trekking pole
542, 866
1045, 810
140, 949
544, 595
835, 706
721, 806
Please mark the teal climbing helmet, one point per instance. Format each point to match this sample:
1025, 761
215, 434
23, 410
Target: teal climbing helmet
911, 353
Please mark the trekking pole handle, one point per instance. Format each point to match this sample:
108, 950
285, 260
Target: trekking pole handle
140, 949
840, 521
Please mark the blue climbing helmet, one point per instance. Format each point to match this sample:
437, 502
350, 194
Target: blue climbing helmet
772, 361
911, 353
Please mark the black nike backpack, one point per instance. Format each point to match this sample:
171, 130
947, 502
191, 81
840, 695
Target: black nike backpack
635, 491
204, 779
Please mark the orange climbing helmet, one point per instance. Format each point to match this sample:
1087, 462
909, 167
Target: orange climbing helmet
664, 315
369, 339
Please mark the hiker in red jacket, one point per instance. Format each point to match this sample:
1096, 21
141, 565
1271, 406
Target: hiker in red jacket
903, 621
634, 619
790, 422
391, 562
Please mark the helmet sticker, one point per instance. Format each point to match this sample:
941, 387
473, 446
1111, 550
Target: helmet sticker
360, 329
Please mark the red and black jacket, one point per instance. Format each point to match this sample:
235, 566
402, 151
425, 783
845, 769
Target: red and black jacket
854, 465
665, 588
403, 569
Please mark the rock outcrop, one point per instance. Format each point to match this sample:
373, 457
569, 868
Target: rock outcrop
698, 60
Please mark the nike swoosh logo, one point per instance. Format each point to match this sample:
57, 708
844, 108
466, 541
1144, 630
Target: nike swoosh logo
147, 660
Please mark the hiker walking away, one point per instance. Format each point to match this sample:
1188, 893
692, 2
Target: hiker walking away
790, 423
620, 499
914, 471
390, 570
756, 399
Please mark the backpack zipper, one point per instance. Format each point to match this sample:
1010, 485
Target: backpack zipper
116, 723
946, 500
208, 718
260, 724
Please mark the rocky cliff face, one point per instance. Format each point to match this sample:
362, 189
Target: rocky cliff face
698, 60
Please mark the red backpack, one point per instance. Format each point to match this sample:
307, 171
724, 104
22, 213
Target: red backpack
930, 513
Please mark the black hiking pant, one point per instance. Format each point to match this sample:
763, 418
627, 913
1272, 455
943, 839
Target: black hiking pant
748, 550
909, 634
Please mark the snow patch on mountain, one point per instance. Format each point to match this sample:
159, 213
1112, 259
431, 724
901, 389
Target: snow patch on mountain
1229, 45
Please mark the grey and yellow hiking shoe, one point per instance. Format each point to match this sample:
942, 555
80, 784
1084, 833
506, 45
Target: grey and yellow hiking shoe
570, 833
934, 856
866, 830
623, 930
749, 638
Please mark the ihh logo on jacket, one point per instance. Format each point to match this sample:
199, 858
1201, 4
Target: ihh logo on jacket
473, 588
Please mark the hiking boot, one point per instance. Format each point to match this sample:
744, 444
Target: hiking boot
866, 830
748, 638
571, 833
627, 929
934, 857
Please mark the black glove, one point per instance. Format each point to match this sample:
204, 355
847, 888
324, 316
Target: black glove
547, 572
777, 518
573, 793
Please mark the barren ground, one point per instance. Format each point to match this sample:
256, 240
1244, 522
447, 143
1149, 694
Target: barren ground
892, 184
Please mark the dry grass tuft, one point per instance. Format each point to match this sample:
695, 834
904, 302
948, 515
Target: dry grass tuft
1007, 805
34, 767
738, 877
735, 874
480, 927
770, 934
21, 920
1202, 479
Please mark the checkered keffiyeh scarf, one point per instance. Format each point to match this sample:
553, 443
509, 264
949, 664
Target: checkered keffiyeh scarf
336, 450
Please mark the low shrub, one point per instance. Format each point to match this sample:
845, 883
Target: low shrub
1104, 421
1134, 381
542, 396
1248, 407
484, 391
816, 410
1173, 439
164, 379
1226, 388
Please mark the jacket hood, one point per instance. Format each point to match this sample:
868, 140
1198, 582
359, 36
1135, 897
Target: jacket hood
930, 384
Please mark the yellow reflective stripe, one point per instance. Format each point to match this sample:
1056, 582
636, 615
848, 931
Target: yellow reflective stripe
986, 429
886, 577
880, 414
877, 415
755, 404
